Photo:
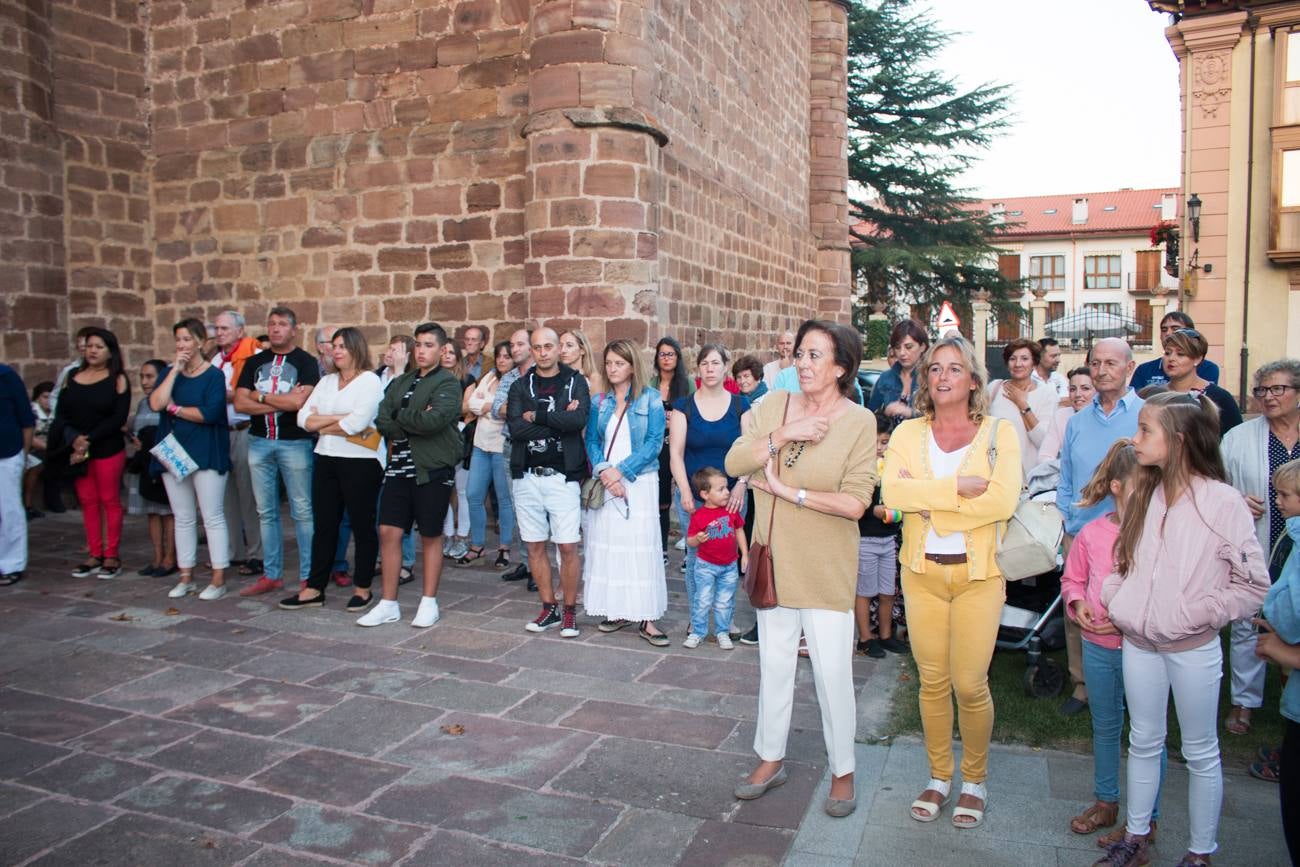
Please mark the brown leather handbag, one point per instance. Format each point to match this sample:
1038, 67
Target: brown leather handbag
760, 582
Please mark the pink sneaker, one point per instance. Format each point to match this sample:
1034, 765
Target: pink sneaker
260, 586
343, 579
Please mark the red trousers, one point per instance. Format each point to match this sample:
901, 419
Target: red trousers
101, 489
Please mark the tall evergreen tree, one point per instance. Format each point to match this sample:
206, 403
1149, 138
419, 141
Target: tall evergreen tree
912, 133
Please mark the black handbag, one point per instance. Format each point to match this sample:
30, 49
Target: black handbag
58, 455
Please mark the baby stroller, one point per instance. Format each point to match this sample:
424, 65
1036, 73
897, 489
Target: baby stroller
1033, 617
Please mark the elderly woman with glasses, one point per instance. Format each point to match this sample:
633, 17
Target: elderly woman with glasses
1184, 351
1252, 453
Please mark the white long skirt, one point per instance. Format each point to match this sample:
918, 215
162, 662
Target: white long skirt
623, 570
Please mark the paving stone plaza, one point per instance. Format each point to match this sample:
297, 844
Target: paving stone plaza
137, 730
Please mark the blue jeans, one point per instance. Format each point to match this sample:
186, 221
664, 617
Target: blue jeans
268, 462
715, 590
489, 468
341, 551
1103, 671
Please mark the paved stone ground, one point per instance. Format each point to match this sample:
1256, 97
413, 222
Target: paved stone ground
138, 730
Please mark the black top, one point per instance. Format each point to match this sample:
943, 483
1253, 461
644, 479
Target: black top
401, 465
15, 412
96, 410
270, 373
1229, 412
555, 438
870, 525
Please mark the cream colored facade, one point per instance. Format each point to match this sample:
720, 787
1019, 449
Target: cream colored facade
1240, 118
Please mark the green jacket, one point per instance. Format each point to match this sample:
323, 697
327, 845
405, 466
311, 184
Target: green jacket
428, 422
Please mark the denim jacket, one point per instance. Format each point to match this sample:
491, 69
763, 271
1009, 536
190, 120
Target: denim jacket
645, 421
889, 388
1282, 611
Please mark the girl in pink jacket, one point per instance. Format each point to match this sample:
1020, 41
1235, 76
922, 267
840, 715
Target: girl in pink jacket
1090, 562
1187, 564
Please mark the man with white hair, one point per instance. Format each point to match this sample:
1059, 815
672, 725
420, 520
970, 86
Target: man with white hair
1112, 415
233, 349
325, 348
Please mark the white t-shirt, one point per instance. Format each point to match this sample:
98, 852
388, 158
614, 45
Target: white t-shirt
770, 370
945, 465
360, 400
228, 371
1057, 381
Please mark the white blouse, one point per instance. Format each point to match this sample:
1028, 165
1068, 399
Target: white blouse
359, 399
944, 465
488, 434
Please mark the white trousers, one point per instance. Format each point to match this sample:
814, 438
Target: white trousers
205, 491
1194, 677
457, 521
13, 516
1247, 668
830, 646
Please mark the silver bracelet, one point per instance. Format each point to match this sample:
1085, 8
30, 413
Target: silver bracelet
772, 450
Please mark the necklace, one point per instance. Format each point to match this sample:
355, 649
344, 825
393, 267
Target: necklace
795, 454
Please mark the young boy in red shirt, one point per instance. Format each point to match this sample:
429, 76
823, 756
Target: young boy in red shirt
719, 537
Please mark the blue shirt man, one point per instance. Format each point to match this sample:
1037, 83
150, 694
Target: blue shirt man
1112, 415
788, 380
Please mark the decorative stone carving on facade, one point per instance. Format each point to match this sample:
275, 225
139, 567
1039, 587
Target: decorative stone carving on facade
1211, 76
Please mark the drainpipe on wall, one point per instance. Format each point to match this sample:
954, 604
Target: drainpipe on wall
1252, 21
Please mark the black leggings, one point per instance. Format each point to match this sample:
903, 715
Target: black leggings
1289, 786
339, 484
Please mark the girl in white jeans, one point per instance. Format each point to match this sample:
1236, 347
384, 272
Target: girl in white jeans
1187, 564
202, 491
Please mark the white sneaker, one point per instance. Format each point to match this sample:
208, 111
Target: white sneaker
692, 641
184, 588
724, 641
458, 548
428, 614
681, 544
387, 611
212, 592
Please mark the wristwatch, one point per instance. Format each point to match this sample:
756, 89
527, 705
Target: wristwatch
261, 397
800, 497
1027, 410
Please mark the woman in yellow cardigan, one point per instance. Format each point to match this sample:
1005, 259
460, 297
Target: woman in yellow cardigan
953, 490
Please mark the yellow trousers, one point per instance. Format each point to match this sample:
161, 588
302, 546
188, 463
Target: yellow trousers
953, 623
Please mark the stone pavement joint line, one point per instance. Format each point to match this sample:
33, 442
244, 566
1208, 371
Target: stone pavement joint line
139, 730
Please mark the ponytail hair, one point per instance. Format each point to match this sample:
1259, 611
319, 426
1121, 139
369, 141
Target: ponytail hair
1190, 424
1117, 466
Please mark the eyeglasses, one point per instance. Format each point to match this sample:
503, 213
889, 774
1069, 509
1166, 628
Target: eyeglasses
668, 354
1273, 390
1190, 332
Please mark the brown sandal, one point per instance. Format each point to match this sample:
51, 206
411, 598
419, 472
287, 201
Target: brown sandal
1102, 814
1105, 841
1238, 722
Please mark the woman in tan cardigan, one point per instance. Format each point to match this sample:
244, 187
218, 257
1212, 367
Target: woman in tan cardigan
813, 456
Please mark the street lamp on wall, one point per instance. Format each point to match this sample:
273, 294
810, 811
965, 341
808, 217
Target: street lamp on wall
1194, 216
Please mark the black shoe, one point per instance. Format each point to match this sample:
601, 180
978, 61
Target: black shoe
150, 571
406, 576
532, 585
871, 647
751, 637
293, 603
893, 645
10, 578
164, 571
549, 617
1072, 705
519, 573
33, 514
613, 625
503, 559
356, 603
90, 567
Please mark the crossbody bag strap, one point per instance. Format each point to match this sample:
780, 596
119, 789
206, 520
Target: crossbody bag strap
609, 451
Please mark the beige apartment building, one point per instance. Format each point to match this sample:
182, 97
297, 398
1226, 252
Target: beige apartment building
1239, 69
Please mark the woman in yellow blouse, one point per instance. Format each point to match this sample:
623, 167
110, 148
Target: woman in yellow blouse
953, 489
813, 456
